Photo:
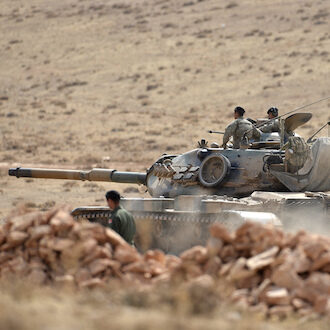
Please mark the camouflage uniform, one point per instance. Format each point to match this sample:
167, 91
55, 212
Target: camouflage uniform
297, 152
123, 223
272, 126
237, 129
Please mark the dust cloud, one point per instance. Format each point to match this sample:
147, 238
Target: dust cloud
315, 221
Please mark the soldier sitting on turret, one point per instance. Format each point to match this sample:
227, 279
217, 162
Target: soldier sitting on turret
239, 129
273, 125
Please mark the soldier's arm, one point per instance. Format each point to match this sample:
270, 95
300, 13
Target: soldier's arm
229, 131
268, 127
256, 133
272, 126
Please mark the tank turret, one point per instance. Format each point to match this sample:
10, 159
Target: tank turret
298, 166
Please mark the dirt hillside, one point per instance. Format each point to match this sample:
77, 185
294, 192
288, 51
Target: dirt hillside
118, 83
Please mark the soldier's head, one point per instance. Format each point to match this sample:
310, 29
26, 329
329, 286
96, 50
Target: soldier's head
238, 112
272, 112
113, 198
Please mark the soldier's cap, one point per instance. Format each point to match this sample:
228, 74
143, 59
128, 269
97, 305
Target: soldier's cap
113, 195
273, 111
240, 111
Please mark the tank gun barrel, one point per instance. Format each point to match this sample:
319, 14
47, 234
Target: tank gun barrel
95, 174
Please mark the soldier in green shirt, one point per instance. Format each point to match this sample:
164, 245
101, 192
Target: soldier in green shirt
121, 221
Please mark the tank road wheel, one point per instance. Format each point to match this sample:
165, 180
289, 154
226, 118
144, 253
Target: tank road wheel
213, 170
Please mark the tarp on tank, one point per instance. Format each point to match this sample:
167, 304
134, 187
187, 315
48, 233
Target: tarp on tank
315, 175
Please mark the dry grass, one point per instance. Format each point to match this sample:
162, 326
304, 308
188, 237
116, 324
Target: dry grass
23, 306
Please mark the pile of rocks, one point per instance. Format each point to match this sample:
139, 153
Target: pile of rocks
52, 247
271, 271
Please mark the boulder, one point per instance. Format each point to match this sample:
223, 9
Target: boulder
301, 263
298, 303
319, 282
239, 271
197, 253
15, 238
99, 265
263, 259
23, 222
61, 222
5, 256
172, 262
156, 268
228, 253
285, 276
212, 266
126, 254
322, 304
59, 244
218, 230
157, 255
213, 246
313, 247
137, 267
37, 232
277, 296
113, 238
322, 261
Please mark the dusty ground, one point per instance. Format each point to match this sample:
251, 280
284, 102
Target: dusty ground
117, 83
113, 308
85, 80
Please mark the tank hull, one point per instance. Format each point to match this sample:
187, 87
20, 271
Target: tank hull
175, 224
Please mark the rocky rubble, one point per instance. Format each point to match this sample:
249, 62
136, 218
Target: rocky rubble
52, 247
270, 271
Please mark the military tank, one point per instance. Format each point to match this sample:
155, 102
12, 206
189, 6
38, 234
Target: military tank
274, 180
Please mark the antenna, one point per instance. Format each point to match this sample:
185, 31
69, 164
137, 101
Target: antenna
294, 110
311, 138
287, 113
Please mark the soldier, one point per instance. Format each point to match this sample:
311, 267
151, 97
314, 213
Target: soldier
239, 129
273, 125
121, 220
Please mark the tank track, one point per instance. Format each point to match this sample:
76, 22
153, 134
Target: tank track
102, 216
171, 231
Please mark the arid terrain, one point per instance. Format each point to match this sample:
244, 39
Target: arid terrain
117, 83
